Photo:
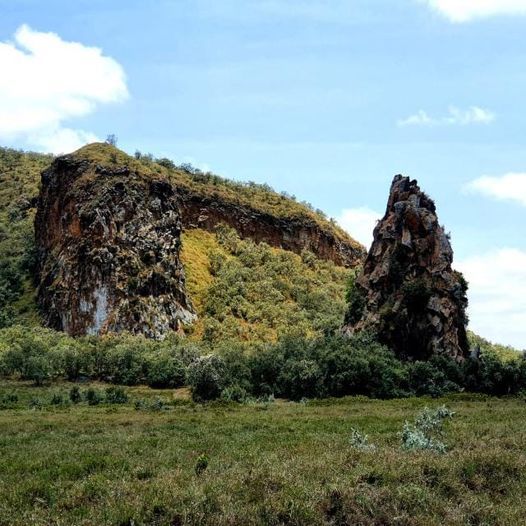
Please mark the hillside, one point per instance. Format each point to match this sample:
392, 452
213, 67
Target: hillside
303, 290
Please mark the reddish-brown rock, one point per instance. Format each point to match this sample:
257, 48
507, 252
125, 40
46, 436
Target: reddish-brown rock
290, 233
108, 251
407, 292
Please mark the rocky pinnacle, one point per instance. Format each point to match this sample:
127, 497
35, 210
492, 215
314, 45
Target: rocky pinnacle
407, 292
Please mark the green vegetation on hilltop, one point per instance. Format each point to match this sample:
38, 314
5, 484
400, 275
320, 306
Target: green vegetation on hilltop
160, 459
503, 352
260, 197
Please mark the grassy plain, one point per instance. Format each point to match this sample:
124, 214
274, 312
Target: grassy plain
260, 463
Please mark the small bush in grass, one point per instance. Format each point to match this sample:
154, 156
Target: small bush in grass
156, 405
57, 399
116, 395
144, 405
140, 404
36, 403
9, 398
74, 394
93, 397
427, 429
234, 393
360, 441
201, 464
8, 401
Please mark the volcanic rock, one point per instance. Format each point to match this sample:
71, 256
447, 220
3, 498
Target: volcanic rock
407, 292
108, 244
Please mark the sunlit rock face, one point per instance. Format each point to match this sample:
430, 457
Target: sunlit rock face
108, 243
407, 292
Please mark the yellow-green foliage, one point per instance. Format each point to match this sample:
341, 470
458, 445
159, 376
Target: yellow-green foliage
503, 352
252, 292
197, 246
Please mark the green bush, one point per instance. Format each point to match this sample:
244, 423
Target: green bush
74, 394
234, 393
427, 430
93, 396
165, 370
360, 441
128, 361
201, 464
57, 399
116, 395
206, 377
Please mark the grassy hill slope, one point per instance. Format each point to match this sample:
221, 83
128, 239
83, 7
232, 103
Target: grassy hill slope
241, 290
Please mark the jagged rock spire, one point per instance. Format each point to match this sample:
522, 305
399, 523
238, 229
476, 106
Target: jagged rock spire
407, 291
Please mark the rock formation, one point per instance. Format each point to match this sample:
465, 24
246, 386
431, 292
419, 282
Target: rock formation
108, 231
407, 291
108, 251
294, 234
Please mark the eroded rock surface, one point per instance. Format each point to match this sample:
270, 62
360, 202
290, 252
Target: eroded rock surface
108, 251
295, 234
407, 292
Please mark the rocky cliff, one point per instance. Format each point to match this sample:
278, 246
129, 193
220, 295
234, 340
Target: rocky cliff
407, 292
108, 251
108, 231
290, 233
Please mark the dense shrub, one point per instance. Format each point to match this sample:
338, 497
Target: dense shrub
165, 370
93, 396
116, 395
427, 430
74, 394
207, 377
28, 356
294, 367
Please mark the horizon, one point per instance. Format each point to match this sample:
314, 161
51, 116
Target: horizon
326, 101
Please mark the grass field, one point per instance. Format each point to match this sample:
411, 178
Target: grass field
261, 463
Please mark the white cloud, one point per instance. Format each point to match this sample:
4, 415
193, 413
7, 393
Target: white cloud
510, 186
359, 223
497, 295
46, 81
467, 10
454, 117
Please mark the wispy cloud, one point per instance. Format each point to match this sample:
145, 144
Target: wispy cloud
359, 223
497, 295
467, 10
510, 187
47, 81
454, 117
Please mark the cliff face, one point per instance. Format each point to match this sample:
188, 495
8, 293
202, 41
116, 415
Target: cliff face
407, 291
294, 234
108, 251
108, 237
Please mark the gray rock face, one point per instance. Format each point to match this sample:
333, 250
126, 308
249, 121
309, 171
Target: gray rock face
407, 292
108, 251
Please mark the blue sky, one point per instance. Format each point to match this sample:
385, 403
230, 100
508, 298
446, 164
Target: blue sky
326, 100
